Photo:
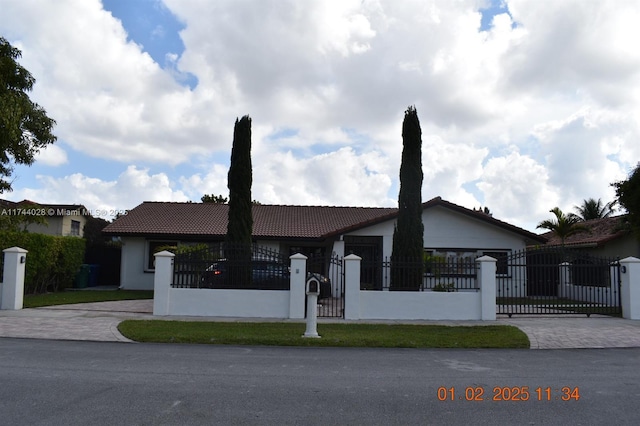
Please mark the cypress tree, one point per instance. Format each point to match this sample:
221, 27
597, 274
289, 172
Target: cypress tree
240, 223
407, 267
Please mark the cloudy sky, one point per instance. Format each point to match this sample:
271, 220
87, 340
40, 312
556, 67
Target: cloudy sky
524, 105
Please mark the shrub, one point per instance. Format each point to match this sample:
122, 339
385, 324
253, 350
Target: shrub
52, 262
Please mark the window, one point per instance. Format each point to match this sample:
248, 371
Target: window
462, 261
450, 261
154, 247
501, 265
75, 228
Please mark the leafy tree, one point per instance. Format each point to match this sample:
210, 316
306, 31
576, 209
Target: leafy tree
211, 198
407, 268
484, 210
18, 217
93, 230
592, 209
25, 127
240, 224
564, 225
628, 193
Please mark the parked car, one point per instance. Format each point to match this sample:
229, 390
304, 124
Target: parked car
266, 275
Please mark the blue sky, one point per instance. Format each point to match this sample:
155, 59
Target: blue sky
524, 106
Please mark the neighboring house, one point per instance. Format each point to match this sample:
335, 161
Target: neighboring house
449, 230
607, 237
61, 219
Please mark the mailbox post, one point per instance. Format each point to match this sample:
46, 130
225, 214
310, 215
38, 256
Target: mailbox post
312, 290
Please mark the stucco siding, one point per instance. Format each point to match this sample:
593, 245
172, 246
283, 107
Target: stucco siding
447, 229
444, 228
133, 275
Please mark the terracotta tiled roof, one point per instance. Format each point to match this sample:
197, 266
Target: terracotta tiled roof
269, 221
207, 220
600, 231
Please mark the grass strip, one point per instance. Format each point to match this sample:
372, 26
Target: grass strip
86, 296
340, 335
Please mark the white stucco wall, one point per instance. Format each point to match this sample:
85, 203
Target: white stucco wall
423, 305
444, 228
229, 303
132, 268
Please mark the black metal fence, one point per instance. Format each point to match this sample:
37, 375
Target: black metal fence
329, 270
430, 274
557, 281
231, 266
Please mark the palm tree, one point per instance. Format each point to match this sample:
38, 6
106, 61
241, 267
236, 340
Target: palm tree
592, 209
564, 225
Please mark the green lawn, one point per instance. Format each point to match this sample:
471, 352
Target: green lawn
289, 333
85, 296
346, 335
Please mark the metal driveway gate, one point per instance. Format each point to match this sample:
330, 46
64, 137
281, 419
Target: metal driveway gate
557, 281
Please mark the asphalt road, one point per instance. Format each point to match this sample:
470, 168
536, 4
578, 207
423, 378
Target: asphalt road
46, 382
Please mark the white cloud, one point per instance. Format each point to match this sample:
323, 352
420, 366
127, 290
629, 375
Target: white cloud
214, 182
518, 188
51, 155
542, 109
338, 178
132, 186
447, 167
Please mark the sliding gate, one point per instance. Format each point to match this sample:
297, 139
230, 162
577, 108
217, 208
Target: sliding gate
557, 281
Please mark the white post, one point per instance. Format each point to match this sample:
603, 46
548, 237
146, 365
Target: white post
162, 282
565, 280
312, 291
352, 287
630, 291
297, 281
13, 286
487, 284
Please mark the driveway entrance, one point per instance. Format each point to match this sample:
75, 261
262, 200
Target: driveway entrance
557, 281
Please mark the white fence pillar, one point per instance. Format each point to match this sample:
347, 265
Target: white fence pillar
12, 294
162, 282
565, 280
352, 287
487, 284
630, 291
297, 283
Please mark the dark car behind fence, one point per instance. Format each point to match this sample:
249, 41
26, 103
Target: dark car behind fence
229, 266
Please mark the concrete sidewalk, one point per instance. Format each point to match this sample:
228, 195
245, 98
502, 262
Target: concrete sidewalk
99, 322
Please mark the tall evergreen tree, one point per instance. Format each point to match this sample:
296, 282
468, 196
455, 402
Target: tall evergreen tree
407, 267
240, 224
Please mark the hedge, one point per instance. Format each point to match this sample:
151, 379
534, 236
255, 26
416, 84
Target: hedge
52, 262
